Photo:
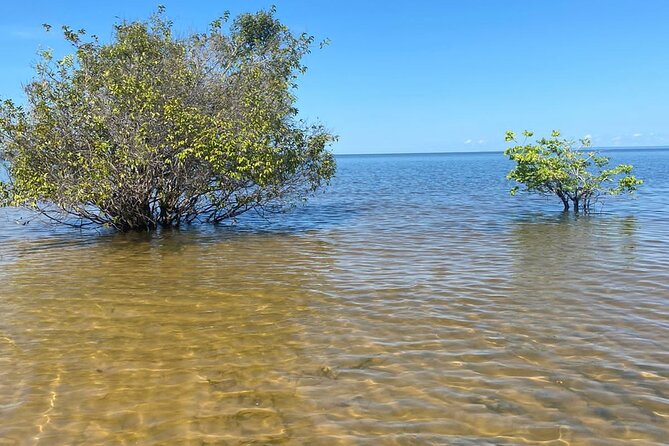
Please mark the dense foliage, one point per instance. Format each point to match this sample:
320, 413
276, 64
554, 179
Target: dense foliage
553, 166
153, 130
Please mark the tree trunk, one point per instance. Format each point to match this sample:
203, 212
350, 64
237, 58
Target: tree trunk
586, 203
163, 213
565, 201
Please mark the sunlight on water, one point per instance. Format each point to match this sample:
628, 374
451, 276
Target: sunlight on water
413, 303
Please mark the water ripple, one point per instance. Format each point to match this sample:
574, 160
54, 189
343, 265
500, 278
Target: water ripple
414, 303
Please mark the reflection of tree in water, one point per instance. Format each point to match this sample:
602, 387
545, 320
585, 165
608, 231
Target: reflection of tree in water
571, 248
587, 299
176, 336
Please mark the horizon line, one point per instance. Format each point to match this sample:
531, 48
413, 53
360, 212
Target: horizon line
473, 152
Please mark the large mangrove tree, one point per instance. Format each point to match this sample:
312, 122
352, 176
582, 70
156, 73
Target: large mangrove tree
151, 129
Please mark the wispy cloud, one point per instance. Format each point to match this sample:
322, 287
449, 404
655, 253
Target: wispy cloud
469, 141
17, 32
636, 135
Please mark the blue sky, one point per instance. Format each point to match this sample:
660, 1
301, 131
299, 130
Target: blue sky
430, 75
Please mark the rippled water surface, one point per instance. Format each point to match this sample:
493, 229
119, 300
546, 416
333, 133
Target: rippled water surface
413, 303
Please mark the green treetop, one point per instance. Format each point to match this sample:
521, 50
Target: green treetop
553, 166
153, 130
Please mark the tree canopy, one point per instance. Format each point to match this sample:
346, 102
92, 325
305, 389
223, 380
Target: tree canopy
154, 130
553, 166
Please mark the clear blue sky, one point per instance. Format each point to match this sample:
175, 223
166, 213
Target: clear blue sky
430, 75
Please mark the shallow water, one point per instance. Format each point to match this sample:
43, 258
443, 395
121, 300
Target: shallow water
413, 303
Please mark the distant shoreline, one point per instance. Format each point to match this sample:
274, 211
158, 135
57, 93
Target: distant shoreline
479, 152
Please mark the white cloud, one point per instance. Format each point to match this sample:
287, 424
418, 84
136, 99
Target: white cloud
18, 32
636, 135
469, 141
480, 141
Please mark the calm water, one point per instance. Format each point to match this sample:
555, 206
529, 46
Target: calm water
414, 303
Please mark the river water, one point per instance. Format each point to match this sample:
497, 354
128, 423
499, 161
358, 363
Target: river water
414, 302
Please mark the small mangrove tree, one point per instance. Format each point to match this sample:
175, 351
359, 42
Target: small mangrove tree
553, 166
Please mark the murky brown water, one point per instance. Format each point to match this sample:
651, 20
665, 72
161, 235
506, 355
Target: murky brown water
373, 317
